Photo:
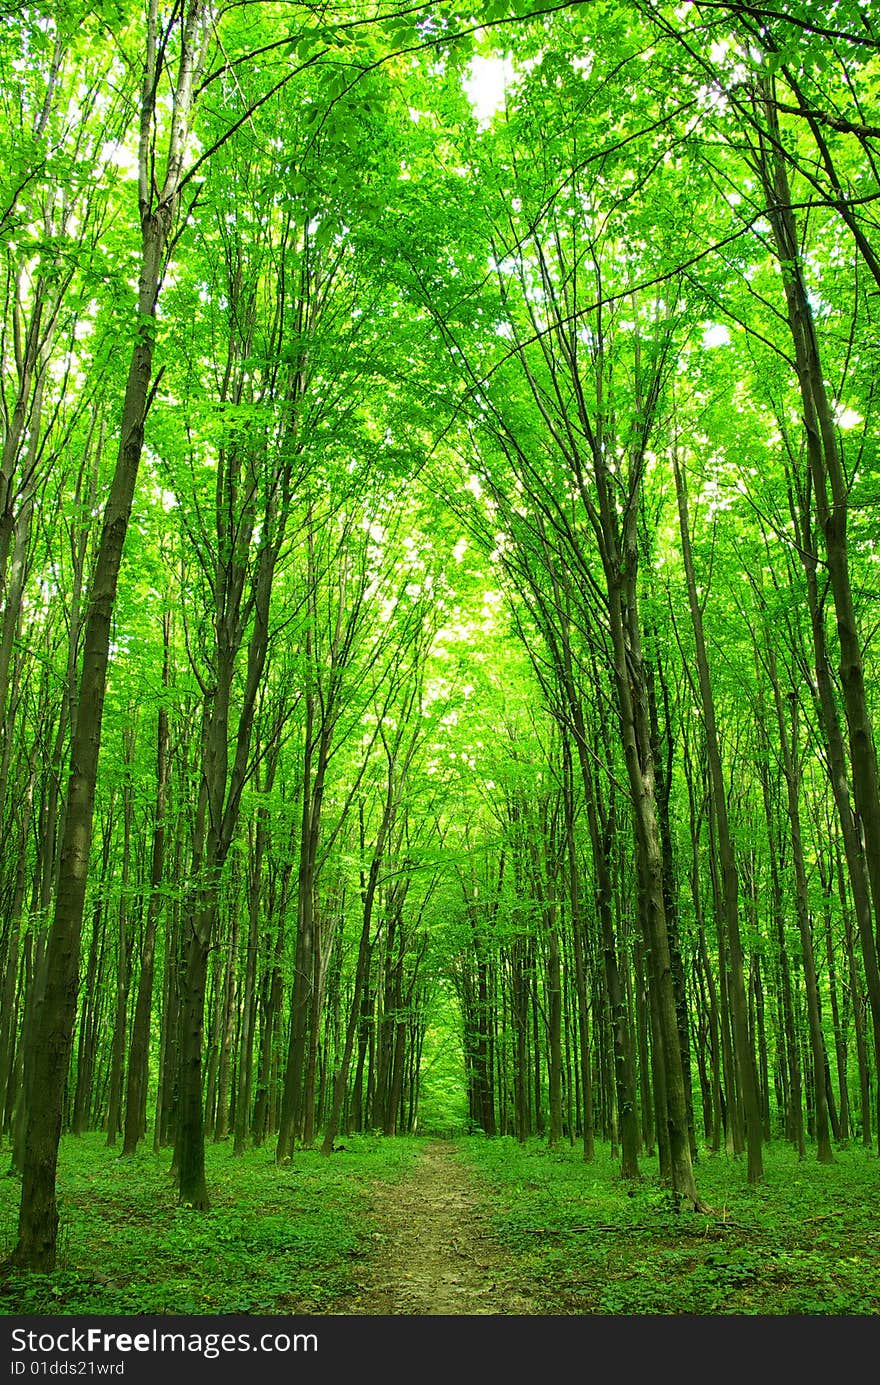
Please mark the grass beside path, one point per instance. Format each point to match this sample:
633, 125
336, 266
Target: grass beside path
805, 1241
295, 1240
275, 1241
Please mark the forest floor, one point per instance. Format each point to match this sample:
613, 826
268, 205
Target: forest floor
434, 1251
466, 1227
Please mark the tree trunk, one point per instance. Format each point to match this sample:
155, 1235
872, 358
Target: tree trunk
830, 491
189, 1152
123, 961
138, 1061
745, 1057
854, 850
791, 771
840, 1042
582, 1016
38, 1216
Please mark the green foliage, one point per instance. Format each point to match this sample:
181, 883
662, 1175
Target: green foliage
442, 1096
396, 341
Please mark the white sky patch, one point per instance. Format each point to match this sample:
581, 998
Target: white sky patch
120, 156
847, 418
459, 550
167, 499
485, 85
715, 334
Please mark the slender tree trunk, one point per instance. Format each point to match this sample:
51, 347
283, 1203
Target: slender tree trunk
745, 1057
88, 1020
189, 1150
859, 1014
271, 1010
310, 1094
226, 1034
356, 1118
830, 491
663, 789
620, 561
840, 1042
761, 1041
854, 849
554, 1035
791, 771
582, 1017
169, 1046
303, 970
123, 963
249, 1000
32, 970
138, 1062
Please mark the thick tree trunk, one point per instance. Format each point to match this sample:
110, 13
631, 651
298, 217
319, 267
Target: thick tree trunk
38, 1217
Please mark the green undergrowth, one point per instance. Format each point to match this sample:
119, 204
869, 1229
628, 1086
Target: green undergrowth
276, 1240
806, 1241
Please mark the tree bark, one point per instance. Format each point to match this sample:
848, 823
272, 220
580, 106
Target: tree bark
138, 1061
38, 1216
791, 771
830, 492
745, 1056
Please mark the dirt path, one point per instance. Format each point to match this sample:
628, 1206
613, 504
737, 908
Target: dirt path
434, 1252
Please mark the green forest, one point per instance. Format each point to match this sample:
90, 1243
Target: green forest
439, 595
